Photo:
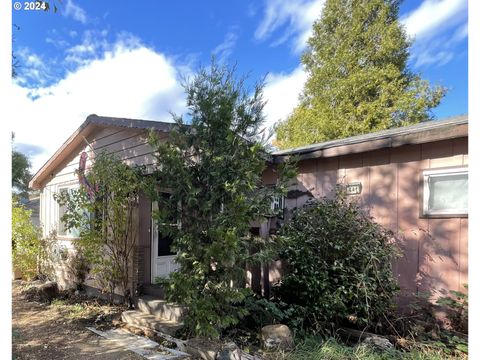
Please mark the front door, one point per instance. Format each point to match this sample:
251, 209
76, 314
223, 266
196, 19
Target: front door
163, 259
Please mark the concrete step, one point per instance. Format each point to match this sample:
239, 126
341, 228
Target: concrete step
141, 319
161, 309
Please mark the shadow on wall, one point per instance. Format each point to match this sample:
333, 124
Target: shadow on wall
435, 250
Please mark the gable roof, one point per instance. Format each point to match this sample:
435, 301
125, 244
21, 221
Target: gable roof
429, 131
425, 132
91, 123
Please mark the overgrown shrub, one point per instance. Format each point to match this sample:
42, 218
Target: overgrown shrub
103, 211
26, 246
338, 265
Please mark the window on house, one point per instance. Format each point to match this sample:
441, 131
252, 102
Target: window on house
445, 192
278, 205
62, 229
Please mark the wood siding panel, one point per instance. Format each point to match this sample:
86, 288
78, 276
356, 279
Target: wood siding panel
411, 229
383, 194
443, 255
307, 181
110, 136
463, 253
327, 176
435, 249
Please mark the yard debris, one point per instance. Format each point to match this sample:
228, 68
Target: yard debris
141, 345
232, 352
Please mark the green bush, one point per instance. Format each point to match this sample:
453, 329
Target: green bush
26, 246
338, 263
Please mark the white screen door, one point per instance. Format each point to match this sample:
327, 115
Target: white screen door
163, 259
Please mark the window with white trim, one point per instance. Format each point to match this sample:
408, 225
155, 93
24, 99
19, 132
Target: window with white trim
278, 205
445, 191
62, 230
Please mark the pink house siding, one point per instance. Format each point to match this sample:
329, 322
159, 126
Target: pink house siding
435, 249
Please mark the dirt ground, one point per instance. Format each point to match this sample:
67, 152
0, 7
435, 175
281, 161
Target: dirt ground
41, 331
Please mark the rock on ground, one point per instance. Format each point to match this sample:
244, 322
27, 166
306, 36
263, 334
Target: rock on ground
277, 337
378, 342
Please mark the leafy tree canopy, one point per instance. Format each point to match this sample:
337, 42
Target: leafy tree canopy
358, 79
20, 172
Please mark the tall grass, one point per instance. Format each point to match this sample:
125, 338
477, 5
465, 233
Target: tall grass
312, 349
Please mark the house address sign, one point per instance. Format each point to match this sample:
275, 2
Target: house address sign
353, 188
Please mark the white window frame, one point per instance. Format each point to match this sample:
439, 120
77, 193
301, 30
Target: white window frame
278, 204
427, 174
66, 235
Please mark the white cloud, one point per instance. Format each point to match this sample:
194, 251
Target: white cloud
225, 49
58, 43
76, 12
92, 42
126, 81
282, 94
437, 27
296, 16
428, 58
433, 17
32, 67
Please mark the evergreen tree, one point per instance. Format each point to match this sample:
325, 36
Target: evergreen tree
208, 185
358, 78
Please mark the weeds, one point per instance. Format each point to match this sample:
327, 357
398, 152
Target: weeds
312, 349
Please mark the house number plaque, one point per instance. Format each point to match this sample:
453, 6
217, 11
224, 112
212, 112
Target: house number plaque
353, 188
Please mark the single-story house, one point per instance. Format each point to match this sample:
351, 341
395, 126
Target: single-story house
413, 179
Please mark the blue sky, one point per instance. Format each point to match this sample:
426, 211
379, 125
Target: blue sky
126, 58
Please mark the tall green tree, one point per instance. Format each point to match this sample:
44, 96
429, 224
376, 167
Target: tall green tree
358, 78
20, 172
209, 189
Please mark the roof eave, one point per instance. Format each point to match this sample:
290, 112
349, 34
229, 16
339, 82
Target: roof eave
90, 123
41, 175
343, 147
